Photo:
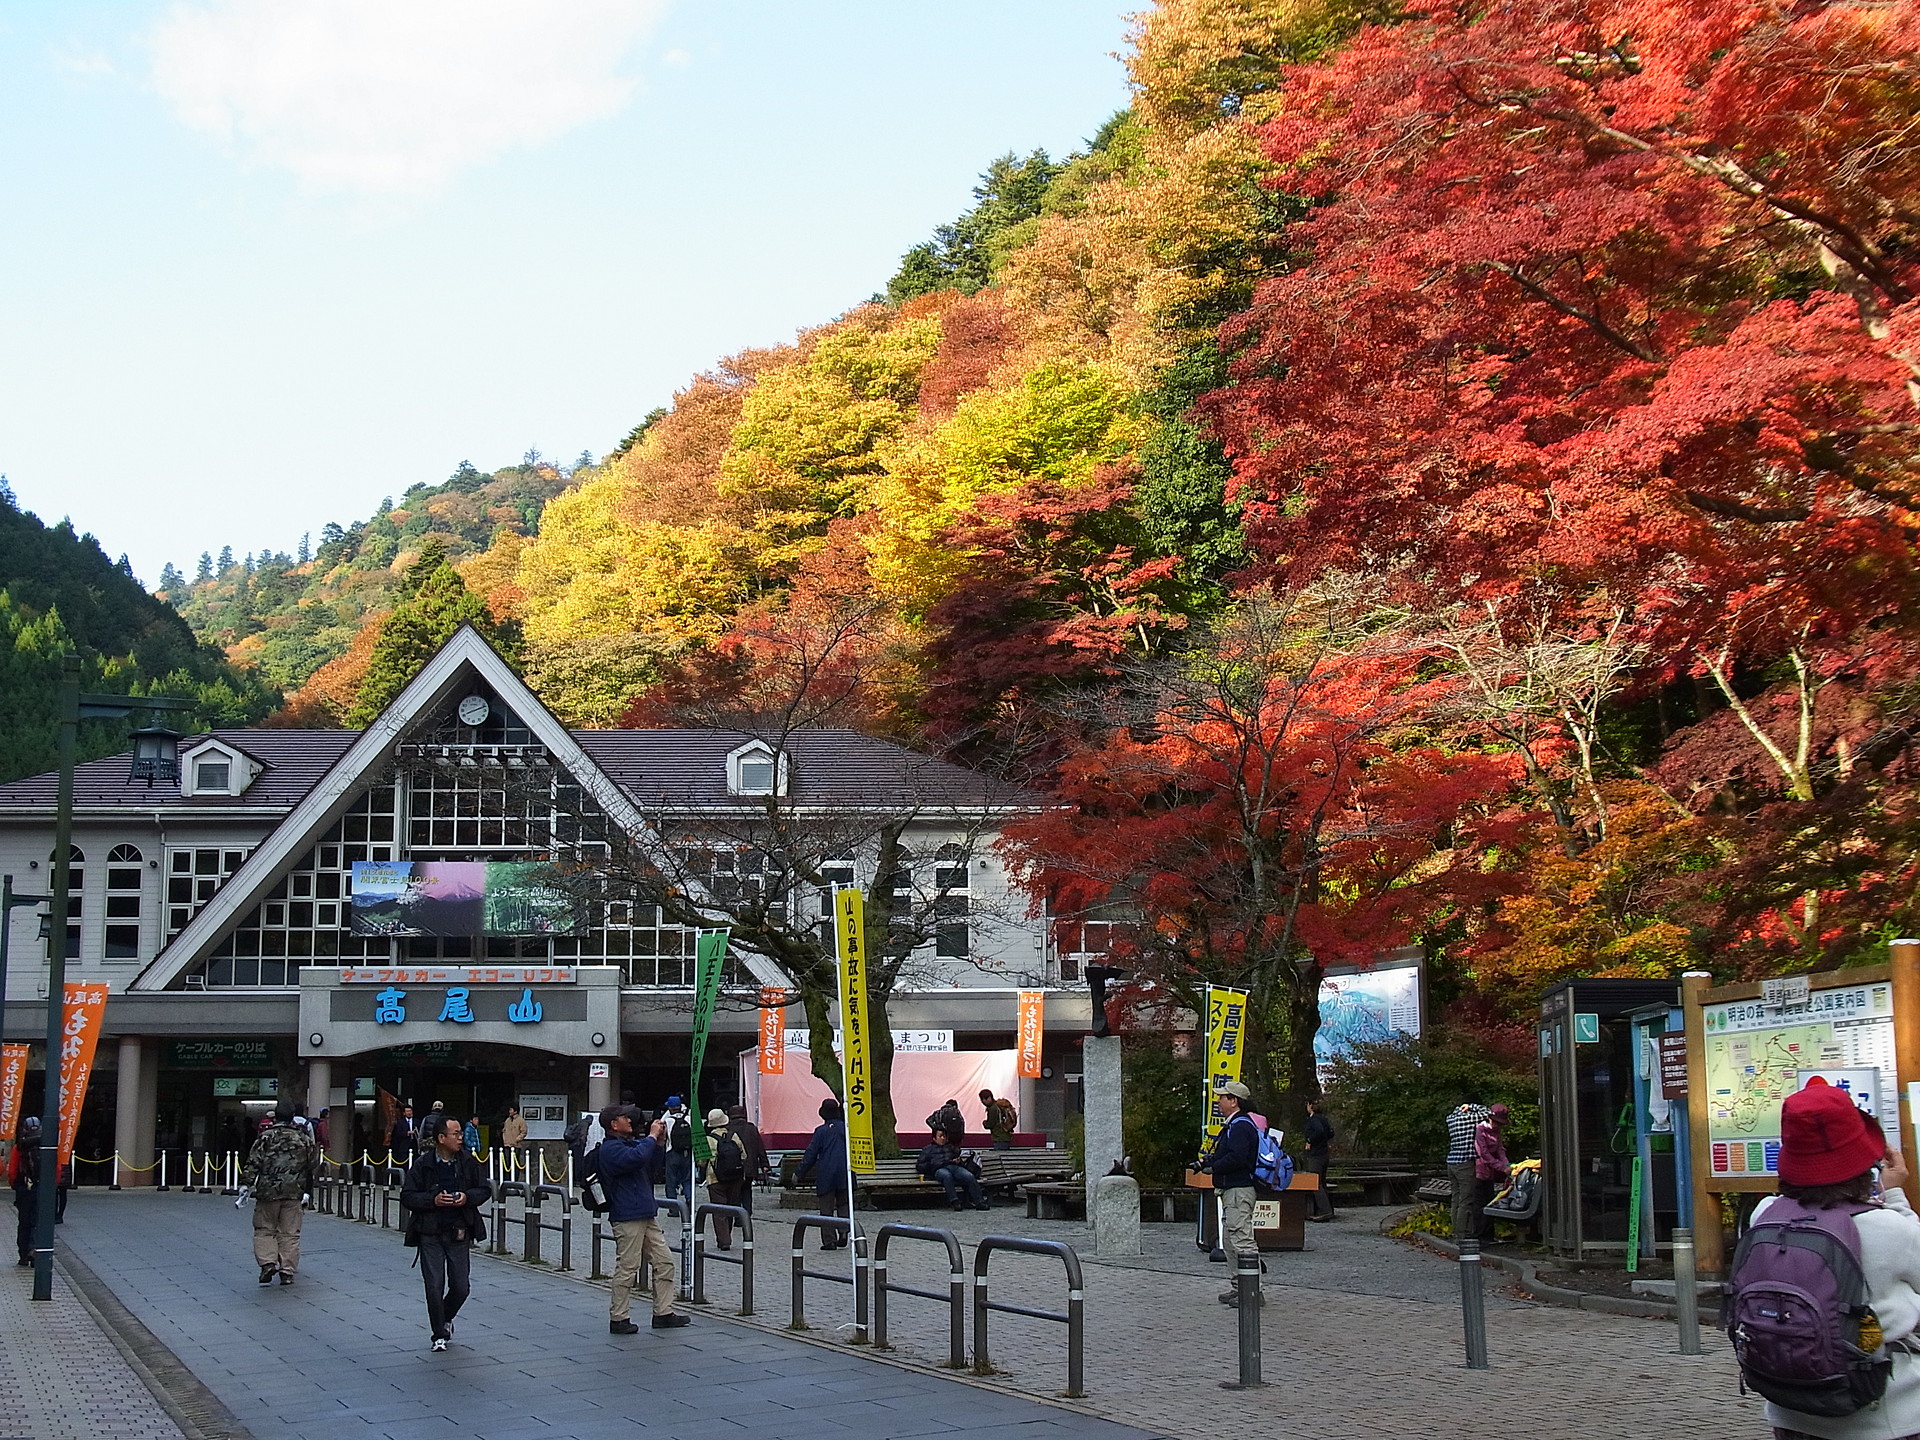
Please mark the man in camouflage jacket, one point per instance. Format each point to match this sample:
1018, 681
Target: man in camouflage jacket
279, 1171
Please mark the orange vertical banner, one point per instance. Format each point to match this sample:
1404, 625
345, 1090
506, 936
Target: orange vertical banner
773, 1030
1033, 1025
13, 1081
80, 1034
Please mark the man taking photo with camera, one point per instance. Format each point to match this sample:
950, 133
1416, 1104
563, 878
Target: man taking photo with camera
626, 1170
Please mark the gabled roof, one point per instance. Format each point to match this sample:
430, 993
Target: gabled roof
293, 762
463, 659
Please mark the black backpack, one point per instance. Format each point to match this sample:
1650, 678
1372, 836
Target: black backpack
729, 1158
593, 1191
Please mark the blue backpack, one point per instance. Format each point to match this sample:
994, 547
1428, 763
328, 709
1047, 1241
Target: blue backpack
1272, 1166
1797, 1312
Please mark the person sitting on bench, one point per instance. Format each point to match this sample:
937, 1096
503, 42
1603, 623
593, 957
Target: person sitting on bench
944, 1161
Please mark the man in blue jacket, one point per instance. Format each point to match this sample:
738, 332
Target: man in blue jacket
1230, 1162
826, 1161
626, 1171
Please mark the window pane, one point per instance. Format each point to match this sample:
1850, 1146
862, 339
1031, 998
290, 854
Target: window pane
123, 879
211, 775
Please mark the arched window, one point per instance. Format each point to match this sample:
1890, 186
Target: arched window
126, 882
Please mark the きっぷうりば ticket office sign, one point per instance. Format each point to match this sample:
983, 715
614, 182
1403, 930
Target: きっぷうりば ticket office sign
1749, 1046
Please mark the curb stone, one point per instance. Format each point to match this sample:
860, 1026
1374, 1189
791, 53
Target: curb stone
1526, 1275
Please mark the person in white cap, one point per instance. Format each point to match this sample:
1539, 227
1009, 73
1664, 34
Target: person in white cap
729, 1176
1231, 1162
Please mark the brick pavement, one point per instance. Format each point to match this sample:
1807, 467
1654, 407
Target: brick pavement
61, 1376
342, 1354
1361, 1339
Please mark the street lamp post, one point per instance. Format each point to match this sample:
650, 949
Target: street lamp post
74, 707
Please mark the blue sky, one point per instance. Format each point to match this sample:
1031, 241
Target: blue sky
263, 262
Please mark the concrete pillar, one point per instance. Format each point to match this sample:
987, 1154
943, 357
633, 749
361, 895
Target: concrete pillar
319, 1088
133, 1101
340, 1125
1025, 1100
599, 1090
1100, 1067
1113, 1209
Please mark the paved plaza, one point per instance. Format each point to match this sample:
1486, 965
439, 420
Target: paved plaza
1362, 1339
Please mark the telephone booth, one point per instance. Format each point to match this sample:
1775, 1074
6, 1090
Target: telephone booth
1597, 1123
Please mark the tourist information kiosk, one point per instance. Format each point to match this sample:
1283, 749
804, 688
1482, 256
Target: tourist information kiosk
1751, 1045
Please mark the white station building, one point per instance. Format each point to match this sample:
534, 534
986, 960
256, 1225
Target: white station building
216, 909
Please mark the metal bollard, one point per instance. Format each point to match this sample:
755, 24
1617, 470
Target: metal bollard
597, 1272
1246, 1284
1473, 1305
163, 1170
114, 1183
1686, 1292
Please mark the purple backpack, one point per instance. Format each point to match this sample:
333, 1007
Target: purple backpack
1796, 1310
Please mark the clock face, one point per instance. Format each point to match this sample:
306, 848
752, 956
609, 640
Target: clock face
474, 710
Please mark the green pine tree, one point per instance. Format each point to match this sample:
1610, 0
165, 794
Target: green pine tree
433, 603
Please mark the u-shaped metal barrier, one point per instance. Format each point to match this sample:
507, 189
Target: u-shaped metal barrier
835, 1225
1074, 1318
956, 1296
743, 1221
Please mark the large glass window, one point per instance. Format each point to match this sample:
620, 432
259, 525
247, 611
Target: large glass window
126, 879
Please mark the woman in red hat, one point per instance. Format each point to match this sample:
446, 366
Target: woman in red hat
1828, 1150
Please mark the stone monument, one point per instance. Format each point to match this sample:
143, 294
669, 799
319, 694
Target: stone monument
1113, 1199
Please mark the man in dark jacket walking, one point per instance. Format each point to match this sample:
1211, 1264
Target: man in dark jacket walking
1231, 1160
826, 1161
23, 1175
442, 1195
749, 1135
626, 1172
1318, 1134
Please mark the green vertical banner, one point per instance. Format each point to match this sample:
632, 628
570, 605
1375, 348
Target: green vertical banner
710, 959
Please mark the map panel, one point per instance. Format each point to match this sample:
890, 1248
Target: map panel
1755, 1055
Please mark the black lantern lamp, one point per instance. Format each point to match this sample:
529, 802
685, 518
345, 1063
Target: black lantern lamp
156, 754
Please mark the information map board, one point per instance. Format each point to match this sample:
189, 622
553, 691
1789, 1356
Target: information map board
1755, 1056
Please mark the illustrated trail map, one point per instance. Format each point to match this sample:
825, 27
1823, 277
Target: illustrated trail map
1755, 1056
1361, 1006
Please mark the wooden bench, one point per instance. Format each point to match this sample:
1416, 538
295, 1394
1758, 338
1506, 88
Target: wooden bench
1376, 1184
1159, 1204
1004, 1170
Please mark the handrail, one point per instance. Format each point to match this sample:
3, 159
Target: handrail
678, 1207
743, 1219
956, 1296
1074, 1318
836, 1224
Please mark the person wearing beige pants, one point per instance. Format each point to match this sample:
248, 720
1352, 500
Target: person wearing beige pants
625, 1161
633, 1242
276, 1235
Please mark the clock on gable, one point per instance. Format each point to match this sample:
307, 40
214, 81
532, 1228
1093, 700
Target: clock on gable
474, 710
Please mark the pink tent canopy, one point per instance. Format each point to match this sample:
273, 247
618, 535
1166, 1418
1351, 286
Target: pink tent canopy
787, 1107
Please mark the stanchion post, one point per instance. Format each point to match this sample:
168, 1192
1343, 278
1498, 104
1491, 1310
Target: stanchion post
163, 1169
1246, 1286
1473, 1305
1686, 1292
114, 1183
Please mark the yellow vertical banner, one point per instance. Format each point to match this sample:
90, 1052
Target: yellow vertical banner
1226, 1029
1033, 1024
851, 930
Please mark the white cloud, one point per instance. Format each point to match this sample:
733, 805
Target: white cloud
394, 97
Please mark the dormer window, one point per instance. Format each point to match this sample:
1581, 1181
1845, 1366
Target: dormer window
757, 770
213, 768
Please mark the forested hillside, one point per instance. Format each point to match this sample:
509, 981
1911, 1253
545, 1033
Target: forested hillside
60, 592
1440, 475
286, 614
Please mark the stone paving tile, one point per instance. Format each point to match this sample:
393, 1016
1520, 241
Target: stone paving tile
61, 1378
344, 1353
